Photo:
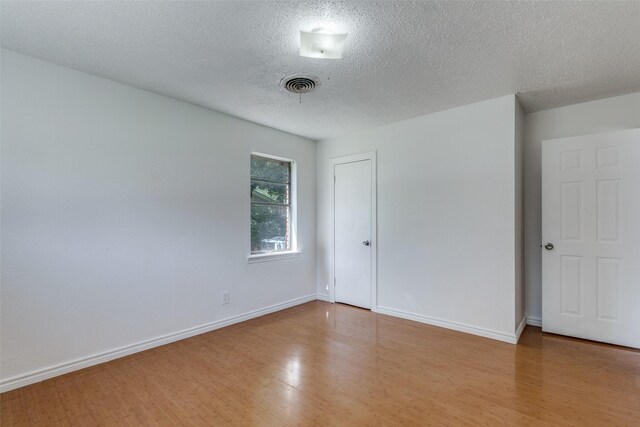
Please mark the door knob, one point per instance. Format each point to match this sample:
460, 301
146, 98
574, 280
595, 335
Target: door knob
549, 246
366, 243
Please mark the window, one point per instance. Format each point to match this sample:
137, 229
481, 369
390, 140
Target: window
272, 205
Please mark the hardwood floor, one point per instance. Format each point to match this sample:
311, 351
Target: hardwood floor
323, 364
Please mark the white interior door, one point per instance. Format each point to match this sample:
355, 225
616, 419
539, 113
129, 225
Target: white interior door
353, 242
591, 237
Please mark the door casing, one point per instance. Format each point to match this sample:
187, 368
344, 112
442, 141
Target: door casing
370, 155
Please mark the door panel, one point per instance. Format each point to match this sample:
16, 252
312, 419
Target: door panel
608, 214
608, 289
571, 210
353, 222
571, 285
591, 215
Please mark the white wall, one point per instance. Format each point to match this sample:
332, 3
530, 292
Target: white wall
520, 307
621, 112
125, 214
446, 215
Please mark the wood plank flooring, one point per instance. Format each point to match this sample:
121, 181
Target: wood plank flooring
324, 364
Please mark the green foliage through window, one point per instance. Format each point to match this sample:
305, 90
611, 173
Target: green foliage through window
270, 205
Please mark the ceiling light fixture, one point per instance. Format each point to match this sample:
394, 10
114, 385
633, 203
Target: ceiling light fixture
320, 43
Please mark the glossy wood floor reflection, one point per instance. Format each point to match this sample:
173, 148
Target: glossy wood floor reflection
323, 364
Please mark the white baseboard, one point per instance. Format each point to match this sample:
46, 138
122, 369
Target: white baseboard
521, 326
469, 329
534, 321
84, 362
324, 297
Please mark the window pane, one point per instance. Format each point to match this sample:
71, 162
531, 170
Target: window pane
270, 170
269, 228
265, 192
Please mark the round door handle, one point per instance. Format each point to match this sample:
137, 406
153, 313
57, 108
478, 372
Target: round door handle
366, 243
549, 246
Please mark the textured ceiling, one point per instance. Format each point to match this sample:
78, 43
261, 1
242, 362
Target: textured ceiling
402, 59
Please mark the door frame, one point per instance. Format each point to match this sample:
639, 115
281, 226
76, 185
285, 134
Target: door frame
335, 161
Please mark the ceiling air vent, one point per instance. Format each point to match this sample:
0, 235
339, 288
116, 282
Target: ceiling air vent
300, 83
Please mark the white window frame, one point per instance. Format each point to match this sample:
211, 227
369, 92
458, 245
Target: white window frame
294, 251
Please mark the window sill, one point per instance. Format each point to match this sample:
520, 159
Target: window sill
273, 256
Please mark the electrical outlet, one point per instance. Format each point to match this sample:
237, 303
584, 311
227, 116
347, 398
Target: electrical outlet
326, 288
225, 297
